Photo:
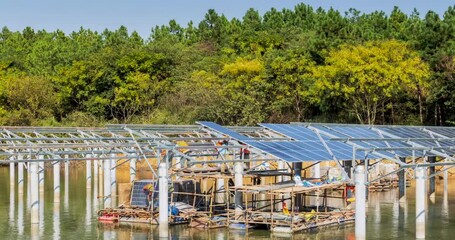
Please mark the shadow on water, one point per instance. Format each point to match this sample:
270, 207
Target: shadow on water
75, 218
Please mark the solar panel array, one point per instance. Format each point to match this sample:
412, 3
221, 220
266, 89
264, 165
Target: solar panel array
306, 145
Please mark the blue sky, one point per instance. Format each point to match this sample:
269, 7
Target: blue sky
142, 15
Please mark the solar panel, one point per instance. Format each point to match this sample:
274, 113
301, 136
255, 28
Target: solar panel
341, 151
225, 131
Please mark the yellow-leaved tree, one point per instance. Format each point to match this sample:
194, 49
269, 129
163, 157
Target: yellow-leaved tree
368, 75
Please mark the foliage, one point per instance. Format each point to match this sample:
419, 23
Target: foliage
299, 64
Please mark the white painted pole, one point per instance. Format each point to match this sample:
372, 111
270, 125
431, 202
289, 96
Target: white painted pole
113, 179
317, 171
220, 190
360, 200
12, 177
163, 201
20, 176
57, 182
280, 166
133, 170
446, 182
34, 192
101, 178
67, 169
107, 184
88, 176
11, 205
95, 180
420, 202
445, 197
41, 173
262, 196
29, 176
238, 179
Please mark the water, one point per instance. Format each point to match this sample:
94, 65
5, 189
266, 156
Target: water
75, 218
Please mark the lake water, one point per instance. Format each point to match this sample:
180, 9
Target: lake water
75, 217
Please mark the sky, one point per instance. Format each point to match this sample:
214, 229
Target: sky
143, 15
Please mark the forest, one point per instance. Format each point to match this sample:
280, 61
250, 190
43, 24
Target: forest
291, 65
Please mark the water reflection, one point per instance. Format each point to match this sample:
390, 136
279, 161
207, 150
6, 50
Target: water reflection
387, 218
11, 205
20, 214
56, 221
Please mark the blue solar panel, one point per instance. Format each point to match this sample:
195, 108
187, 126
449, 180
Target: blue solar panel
444, 131
295, 132
340, 150
223, 130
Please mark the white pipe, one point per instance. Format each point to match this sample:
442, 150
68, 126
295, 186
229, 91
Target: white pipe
41, 173
29, 176
446, 182
12, 177
420, 202
113, 179
101, 178
34, 192
57, 182
95, 180
163, 201
11, 204
238, 179
67, 169
133, 170
107, 184
88, 165
360, 200
20, 176
220, 190
317, 170
280, 166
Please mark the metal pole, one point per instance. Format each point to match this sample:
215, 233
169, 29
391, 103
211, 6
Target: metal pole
402, 183
280, 166
298, 174
163, 201
133, 169
34, 192
88, 164
360, 200
432, 180
238, 177
12, 177
56, 182
101, 179
67, 169
41, 173
113, 179
317, 170
20, 176
420, 202
107, 184
95, 179
446, 182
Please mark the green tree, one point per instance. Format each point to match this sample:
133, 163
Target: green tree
368, 75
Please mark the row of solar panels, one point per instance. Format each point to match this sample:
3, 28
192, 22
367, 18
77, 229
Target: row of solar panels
319, 142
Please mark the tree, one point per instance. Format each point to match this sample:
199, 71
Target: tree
368, 75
